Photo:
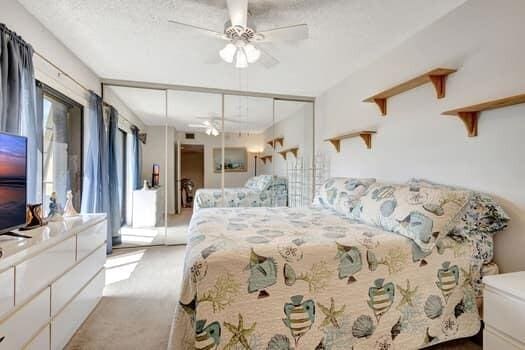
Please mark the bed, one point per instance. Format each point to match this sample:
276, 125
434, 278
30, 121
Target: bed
318, 278
259, 191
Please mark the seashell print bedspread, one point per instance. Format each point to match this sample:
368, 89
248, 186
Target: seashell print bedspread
307, 278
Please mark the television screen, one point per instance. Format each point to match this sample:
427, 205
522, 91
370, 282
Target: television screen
12, 181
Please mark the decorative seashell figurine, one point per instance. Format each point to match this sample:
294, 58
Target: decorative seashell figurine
69, 209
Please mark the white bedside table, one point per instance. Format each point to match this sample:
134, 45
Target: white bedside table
504, 311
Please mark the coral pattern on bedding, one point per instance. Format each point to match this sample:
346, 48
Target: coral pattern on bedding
260, 191
310, 278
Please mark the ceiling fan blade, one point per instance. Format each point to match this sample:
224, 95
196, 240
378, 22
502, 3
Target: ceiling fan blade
290, 33
197, 126
208, 32
238, 12
266, 59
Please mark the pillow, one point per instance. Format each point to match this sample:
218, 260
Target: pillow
340, 192
259, 183
423, 214
482, 214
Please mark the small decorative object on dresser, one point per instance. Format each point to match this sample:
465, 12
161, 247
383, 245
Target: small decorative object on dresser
33, 217
504, 311
69, 209
54, 212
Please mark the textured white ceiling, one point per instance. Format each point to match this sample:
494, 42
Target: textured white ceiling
250, 114
132, 39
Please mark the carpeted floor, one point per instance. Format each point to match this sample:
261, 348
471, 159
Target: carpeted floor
142, 286
175, 232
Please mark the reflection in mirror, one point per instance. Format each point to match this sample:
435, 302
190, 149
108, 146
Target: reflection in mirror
294, 147
246, 119
141, 158
197, 119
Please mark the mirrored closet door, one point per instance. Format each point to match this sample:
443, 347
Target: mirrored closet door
143, 169
179, 151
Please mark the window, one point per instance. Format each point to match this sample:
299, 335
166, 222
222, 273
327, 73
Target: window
62, 148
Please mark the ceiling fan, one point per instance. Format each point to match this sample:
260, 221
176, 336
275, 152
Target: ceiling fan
212, 127
244, 41
212, 124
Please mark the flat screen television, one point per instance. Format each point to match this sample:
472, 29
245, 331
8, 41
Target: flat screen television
13, 181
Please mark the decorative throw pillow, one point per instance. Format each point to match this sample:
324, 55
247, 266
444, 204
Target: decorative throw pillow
340, 192
259, 183
482, 214
423, 214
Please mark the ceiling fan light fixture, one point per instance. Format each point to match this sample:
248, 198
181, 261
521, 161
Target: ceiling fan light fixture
228, 52
252, 53
241, 60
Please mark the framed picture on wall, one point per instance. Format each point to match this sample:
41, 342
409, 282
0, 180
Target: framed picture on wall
235, 160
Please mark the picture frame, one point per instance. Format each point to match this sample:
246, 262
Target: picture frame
235, 159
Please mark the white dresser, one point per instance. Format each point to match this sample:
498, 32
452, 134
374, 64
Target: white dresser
148, 207
504, 312
50, 283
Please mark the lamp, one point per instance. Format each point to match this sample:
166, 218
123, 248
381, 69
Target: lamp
252, 53
240, 51
228, 52
241, 60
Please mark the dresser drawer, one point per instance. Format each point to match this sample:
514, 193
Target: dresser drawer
504, 313
42, 341
38, 271
90, 239
26, 322
493, 340
68, 285
71, 317
7, 291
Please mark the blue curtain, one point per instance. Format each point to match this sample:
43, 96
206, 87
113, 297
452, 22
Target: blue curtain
114, 218
18, 113
95, 190
136, 159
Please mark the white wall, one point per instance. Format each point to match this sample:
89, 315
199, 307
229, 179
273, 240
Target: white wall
154, 152
18, 19
212, 179
484, 40
297, 131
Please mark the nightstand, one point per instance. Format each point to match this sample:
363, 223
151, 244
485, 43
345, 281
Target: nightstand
504, 311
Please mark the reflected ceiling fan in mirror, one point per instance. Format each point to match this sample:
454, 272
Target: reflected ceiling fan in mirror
244, 41
212, 124
211, 127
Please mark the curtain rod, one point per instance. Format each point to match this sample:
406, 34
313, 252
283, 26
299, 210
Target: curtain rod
45, 59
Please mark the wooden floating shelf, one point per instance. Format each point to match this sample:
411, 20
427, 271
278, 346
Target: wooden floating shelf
275, 141
436, 76
266, 158
292, 150
470, 114
366, 135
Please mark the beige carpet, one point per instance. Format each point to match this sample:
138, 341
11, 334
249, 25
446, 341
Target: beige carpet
140, 296
142, 286
174, 233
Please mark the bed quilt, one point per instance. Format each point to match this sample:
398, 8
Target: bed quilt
240, 197
308, 278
